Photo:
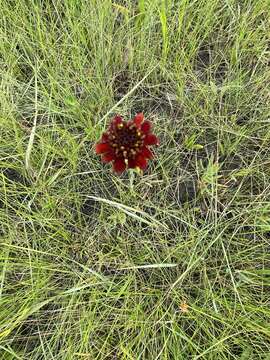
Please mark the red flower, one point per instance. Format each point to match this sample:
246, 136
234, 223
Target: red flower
126, 143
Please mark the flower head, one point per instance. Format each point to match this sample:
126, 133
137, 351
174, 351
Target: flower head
126, 143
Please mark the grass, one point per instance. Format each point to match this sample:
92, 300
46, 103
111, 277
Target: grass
96, 266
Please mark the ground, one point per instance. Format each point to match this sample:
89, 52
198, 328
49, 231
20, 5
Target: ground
172, 264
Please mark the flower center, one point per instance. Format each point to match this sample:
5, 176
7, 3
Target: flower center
127, 140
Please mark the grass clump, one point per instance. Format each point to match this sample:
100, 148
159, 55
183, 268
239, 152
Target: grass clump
95, 266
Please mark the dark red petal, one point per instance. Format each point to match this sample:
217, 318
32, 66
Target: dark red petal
138, 119
131, 163
146, 126
145, 152
117, 120
106, 158
119, 166
105, 137
141, 162
151, 139
102, 148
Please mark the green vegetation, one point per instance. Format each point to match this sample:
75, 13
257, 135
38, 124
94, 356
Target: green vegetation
97, 266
